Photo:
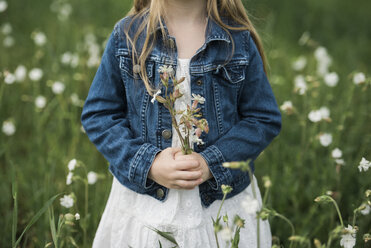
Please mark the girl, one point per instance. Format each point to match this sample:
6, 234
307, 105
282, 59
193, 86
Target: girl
214, 46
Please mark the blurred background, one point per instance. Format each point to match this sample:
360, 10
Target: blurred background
319, 54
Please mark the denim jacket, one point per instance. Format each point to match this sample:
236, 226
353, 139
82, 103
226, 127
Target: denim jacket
129, 130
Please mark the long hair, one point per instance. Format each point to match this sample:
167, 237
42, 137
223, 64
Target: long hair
153, 10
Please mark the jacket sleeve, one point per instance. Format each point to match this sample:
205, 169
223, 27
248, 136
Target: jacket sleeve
105, 120
260, 122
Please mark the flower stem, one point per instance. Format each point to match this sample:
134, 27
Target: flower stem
217, 217
338, 211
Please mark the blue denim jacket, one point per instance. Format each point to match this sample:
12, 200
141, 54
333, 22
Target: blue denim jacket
129, 130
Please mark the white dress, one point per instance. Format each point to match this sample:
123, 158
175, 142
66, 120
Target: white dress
127, 213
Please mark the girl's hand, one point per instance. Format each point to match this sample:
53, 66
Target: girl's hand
206, 173
176, 174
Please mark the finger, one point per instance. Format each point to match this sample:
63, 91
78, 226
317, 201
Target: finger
184, 157
187, 165
188, 184
188, 175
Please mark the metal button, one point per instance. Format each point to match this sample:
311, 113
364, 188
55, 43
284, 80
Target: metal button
136, 68
160, 193
166, 133
171, 43
199, 82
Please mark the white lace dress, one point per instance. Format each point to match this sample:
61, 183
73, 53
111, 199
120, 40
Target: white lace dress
127, 213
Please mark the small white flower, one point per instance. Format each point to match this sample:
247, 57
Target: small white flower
35, 74
77, 216
168, 69
331, 79
315, 116
69, 178
226, 234
325, 139
366, 210
58, 88
286, 106
76, 100
39, 38
40, 102
359, 78
8, 128
364, 165
336, 153
8, 41
9, 78
348, 240
155, 95
72, 164
198, 98
300, 84
340, 161
325, 112
196, 139
20, 73
299, 63
323, 60
6, 28
82, 129
92, 177
66, 201
250, 205
3, 6
304, 38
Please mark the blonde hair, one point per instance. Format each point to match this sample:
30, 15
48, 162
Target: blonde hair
153, 10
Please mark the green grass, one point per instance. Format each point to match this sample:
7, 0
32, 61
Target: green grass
299, 167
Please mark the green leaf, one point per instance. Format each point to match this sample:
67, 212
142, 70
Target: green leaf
52, 226
36, 217
15, 208
159, 242
236, 238
166, 235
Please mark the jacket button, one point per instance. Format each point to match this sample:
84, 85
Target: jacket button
199, 82
160, 193
166, 133
136, 69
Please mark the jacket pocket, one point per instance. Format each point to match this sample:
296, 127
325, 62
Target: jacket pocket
232, 73
131, 69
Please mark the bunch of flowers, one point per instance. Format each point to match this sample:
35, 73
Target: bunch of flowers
191, 126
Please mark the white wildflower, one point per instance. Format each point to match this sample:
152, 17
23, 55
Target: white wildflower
198, 98
348, 240
92, 177
8, 41
3, 6
77, 216
8, 128
325, 112
300, 84
58, 88
76, 100
64, 11
71, 59
82, 129
226, 234
9, 78
299, 63
331, 79
66, 201
155, 95
40, 102
6, 28
166, 69
364, 165
323, 60
340, 161
336, 153
325, 139
69, 178
366, 210
39, 38
20, 73
250, 205
72, 164
315, 116
287, 106
359, 78
195, 139
35, 74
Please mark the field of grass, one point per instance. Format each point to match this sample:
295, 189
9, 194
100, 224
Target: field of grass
317, 50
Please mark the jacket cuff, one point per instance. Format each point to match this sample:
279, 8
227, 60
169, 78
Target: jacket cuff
214, 159
141, 164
